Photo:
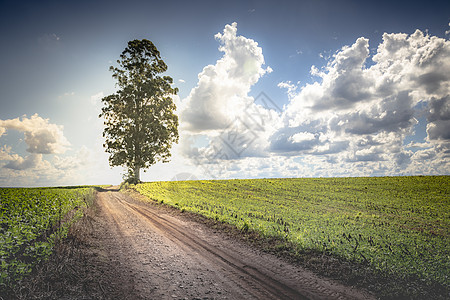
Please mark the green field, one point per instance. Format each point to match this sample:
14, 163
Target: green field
398, 227
31, 221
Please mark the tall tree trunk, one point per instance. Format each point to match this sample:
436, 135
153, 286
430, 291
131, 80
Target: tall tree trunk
137, 174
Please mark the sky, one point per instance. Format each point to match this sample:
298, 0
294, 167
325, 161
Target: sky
267, 89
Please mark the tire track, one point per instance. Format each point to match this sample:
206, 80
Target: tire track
269, 287
230, 269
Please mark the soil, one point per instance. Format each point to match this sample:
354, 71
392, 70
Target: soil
137, 250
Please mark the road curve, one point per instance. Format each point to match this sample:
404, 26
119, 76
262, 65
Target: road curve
168, 256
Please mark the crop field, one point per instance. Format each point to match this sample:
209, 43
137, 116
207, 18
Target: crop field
397, 226
31, 221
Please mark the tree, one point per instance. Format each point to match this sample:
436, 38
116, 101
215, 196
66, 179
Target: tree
140, 123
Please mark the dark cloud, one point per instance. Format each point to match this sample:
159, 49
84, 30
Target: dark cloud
439, 130
432, 81
402, 158
365, 156
439, 109
391, 115
438, 117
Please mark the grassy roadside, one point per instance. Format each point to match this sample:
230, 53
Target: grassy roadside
36, 224
77, 267
389, 235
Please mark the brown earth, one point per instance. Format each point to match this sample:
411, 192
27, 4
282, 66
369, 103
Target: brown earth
137, 250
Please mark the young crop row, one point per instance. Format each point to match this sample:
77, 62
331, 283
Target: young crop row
396, 225
31, 220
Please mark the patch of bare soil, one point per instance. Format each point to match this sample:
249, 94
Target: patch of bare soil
134, 250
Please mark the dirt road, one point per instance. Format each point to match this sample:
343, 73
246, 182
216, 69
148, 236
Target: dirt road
164, 255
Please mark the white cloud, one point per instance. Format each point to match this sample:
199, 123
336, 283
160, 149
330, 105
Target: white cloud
41, 136
302, 137
85, 166
5, 153
363, 114
31, 170
221, 94
290, 87
343, 85
219, 121
18, 163
352, 121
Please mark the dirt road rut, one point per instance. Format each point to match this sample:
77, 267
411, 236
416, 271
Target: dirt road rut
168, 256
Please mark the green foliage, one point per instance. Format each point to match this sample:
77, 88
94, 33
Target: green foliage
140, 123
31, 221
395, 225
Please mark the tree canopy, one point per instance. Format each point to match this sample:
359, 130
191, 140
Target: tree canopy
139, 118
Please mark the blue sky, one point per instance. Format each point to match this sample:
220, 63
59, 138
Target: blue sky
267, 88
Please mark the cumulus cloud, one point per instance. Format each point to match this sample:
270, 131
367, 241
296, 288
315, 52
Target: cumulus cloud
5, 153
403, 63
34, 170
352, 121
219, 110
358, 114
18, 163
247, 135
302, 137
393, 114
221, 94
41, 136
